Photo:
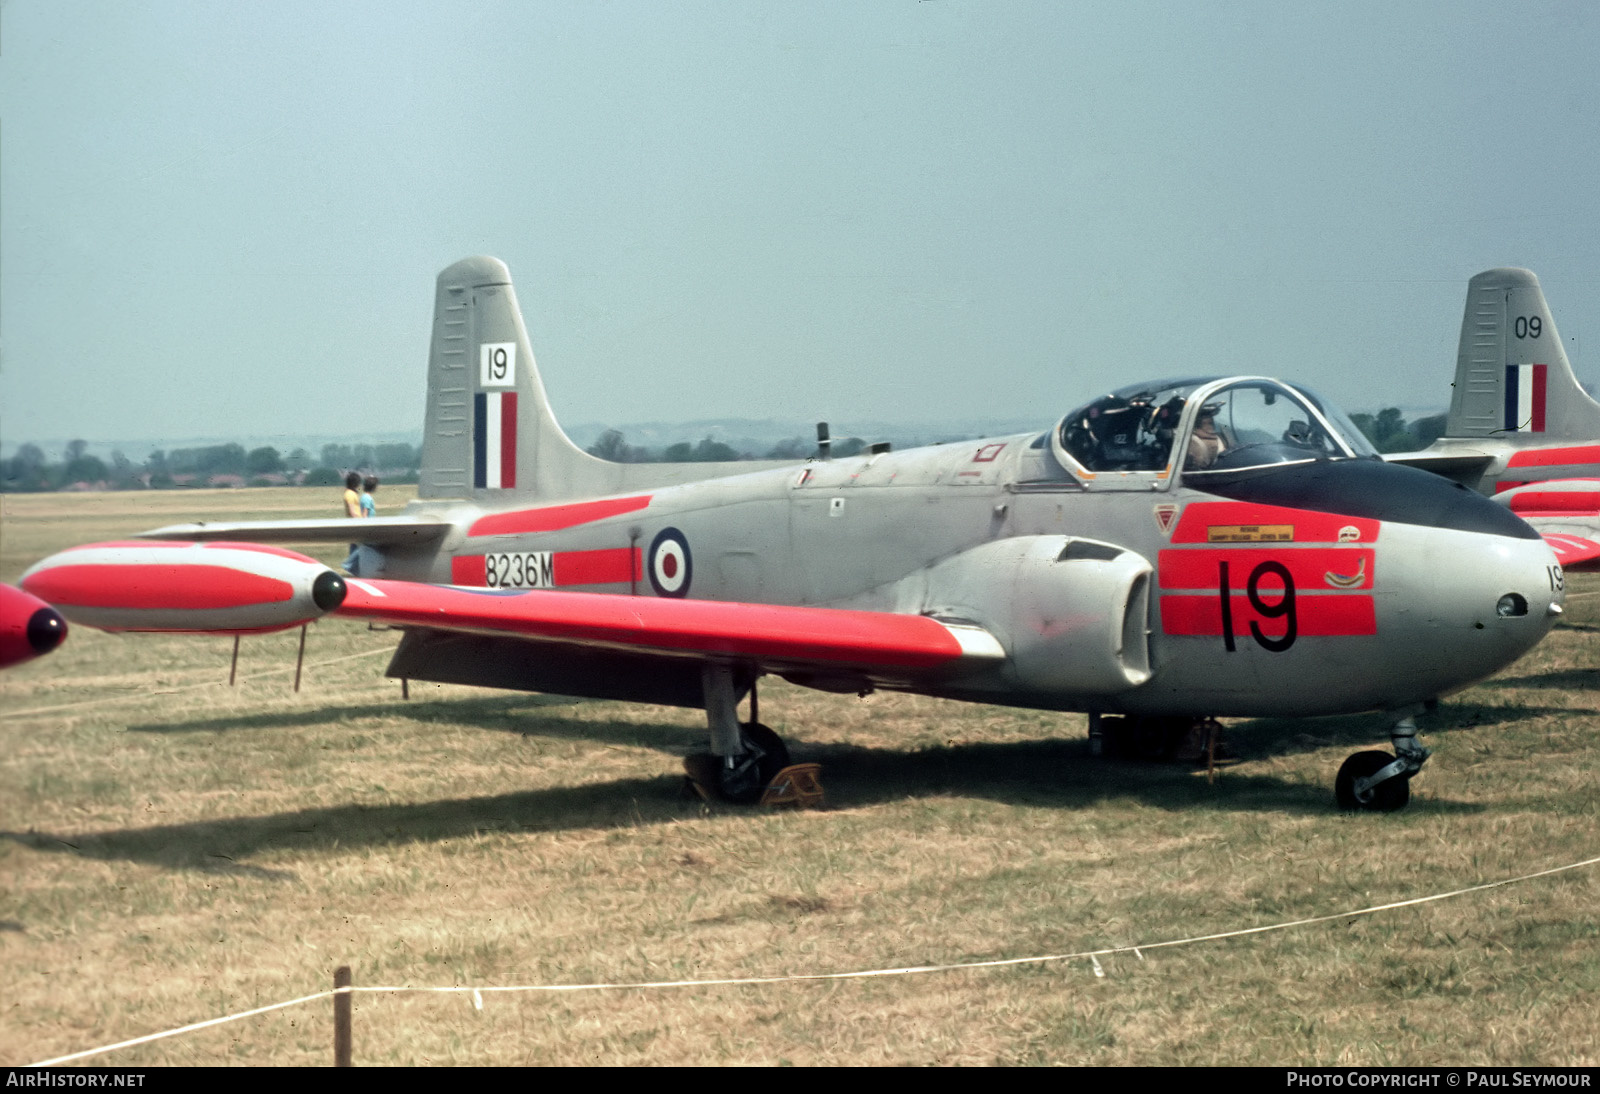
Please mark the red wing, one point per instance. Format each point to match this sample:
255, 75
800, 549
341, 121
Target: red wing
240, 588
881, 643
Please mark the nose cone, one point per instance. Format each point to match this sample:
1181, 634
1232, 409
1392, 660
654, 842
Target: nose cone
1461, 586
1457, 607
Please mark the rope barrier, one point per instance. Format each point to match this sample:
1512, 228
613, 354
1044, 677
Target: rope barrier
145, 693
641, 985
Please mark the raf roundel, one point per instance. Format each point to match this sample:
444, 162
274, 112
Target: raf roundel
670, 564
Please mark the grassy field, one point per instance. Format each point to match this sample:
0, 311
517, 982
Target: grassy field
175, 850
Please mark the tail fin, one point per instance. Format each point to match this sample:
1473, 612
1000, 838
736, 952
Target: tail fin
489, 434
489, 431
1513, 380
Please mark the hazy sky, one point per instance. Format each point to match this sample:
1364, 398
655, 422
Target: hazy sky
224, 218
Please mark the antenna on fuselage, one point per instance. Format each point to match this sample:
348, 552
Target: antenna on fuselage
824, 442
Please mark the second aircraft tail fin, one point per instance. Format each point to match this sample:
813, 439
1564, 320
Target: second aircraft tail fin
1513, 379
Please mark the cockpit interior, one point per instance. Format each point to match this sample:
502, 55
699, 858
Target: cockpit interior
1206, 426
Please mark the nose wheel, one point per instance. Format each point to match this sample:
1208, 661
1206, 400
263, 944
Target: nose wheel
1378, 782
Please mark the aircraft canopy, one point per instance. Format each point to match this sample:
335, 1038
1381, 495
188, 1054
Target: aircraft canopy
1207, 425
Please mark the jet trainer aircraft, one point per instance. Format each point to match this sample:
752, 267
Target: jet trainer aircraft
1520, 428
1172, 550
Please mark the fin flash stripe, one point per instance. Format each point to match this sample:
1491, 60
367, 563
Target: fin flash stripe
1525, 389
494, 440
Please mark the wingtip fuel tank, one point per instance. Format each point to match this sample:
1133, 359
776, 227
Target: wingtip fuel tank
231, 588
29, 627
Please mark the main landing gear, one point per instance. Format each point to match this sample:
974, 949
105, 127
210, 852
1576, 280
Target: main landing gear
1156, 738
748, 762
1377, 781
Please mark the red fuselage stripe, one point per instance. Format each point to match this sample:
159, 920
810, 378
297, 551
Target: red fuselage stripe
613, 566
1200, 567
468, 570
608, 566
1315, 616
553, 518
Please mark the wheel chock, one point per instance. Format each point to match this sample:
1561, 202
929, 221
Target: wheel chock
799, 785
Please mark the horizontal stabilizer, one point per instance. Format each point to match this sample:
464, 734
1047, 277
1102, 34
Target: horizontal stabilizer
1554, 498
1452, 465
378, 531
1577, 553
1566, 512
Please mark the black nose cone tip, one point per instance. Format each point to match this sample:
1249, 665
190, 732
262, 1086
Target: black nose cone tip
46, 630
328, 591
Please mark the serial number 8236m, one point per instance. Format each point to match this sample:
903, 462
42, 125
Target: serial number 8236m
524, 570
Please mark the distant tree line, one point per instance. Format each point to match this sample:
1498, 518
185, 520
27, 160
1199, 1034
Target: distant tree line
1389, 432
613, 445
31, 469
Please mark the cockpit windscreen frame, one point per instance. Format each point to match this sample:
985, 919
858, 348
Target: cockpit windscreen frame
1145, 436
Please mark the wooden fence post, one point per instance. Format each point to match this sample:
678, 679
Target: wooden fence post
341, 1017
300, 657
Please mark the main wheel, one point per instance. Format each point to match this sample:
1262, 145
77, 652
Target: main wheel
1156, 740
1386, 797
765, 755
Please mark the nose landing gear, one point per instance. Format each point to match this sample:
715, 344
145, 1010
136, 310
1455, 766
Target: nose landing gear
1378, 782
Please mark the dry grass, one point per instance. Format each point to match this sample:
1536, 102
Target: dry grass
177, 850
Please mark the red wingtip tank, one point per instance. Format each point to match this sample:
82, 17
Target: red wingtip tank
29, 627
229, 588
